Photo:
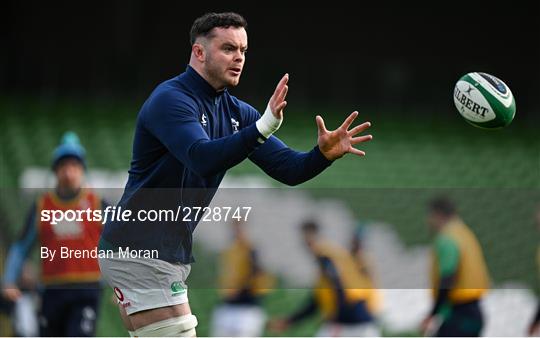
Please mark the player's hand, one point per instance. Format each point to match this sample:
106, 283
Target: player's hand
277, 102
278, 325
11, 293
334, 144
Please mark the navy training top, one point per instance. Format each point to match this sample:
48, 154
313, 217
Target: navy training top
186, 137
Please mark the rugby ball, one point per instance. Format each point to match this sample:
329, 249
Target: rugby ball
484, 100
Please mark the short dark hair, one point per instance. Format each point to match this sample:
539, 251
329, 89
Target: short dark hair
443, 206
204, 24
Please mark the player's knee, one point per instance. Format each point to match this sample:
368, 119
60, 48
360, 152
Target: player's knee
183, 326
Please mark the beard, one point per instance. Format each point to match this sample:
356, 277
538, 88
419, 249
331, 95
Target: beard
218, 76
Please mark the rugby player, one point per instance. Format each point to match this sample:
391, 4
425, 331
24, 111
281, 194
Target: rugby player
188, 133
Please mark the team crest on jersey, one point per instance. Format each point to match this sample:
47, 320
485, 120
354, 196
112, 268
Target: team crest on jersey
235, 125
204, 121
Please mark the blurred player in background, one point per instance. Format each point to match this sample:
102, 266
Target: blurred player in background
25, 320
459, 275
71, 286
342, 293
6, 307
243, 282
189, 132
366, 269
534, 327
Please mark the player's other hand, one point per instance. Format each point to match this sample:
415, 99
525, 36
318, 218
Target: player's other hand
278, 325
277, 102
334, 144
11, 293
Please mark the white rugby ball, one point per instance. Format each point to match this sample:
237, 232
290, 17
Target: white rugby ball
484, 100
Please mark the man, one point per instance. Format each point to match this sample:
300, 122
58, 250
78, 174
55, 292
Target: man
342, 293
72, 289
459, 274
243, 282
365, 267
189, 132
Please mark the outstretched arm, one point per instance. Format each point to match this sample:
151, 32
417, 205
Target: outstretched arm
286, 165
175, 122
279, 325
292, 167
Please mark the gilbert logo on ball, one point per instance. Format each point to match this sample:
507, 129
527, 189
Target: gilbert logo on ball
484, 101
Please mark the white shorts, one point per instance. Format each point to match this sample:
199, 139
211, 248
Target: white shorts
145, 283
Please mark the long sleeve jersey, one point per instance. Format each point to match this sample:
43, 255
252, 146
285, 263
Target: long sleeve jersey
187, 136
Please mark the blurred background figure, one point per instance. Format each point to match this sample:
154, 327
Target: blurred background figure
342, 293
19, 318
6, 307
242, 284
459, 275
71, 286
25, 311
534, 328
366, 269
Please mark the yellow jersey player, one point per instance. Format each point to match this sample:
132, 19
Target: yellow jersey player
242, 284
342, 293
365, 267
459, 275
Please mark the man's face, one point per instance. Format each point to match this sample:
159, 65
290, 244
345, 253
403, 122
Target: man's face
434, 221
225, 56
237, 229
309, 238
69, 173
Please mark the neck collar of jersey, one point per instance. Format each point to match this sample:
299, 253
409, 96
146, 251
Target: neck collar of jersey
201, 84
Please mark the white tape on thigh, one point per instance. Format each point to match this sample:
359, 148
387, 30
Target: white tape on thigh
187, 324
183, 326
